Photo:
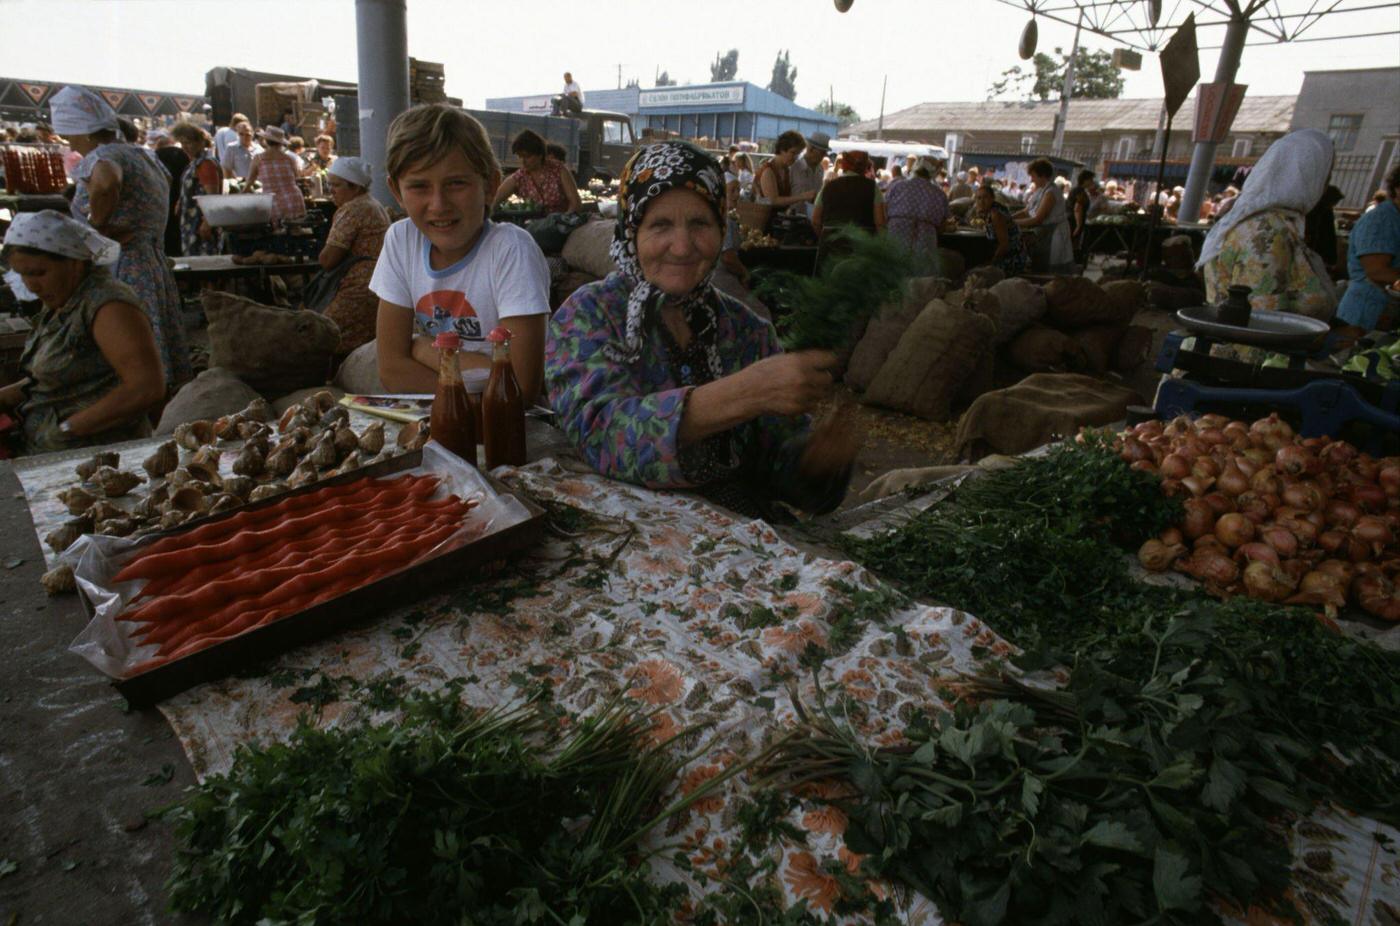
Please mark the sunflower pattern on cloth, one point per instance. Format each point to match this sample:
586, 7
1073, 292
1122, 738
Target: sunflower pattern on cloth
657, 602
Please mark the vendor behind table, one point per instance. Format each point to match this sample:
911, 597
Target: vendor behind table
664, 381
90, 364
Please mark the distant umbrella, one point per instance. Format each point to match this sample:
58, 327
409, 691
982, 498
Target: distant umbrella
842, 5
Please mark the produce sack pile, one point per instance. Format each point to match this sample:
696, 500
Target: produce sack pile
1082, 327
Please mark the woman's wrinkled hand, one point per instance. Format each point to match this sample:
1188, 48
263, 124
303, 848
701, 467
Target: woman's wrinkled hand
791, 383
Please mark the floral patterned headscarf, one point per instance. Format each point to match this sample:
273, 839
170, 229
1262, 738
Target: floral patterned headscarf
652, 171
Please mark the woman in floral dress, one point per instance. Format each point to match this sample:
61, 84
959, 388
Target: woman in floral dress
203, 177
125, 194
664, 381
1259, 243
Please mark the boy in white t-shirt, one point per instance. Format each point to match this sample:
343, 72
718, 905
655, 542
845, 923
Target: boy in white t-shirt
447, 266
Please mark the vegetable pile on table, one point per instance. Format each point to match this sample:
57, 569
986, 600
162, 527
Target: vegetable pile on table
444, 816
1271, 515
1158, 784
255, 567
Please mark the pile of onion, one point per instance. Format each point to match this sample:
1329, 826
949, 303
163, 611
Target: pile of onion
1273, 516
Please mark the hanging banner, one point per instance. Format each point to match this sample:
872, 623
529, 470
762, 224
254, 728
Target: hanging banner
1181, 66
114, 97
1217, 104
35, 92
185, 103
149, 100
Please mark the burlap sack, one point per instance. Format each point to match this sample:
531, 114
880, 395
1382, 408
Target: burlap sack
1127, 296
587, 248
1021, 302
1170, 298
274, 350
1040, 349
880, 336
1100, 343
212, 394
1134, 349
1037, 410
951, 264
983, 277
1074, 302
936, 355
359, 372
981, 379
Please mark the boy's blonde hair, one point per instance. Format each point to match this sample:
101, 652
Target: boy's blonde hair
427, 132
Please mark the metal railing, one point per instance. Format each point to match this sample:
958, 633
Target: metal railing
1358, 176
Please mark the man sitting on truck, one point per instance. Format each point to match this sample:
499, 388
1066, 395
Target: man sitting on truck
571, 100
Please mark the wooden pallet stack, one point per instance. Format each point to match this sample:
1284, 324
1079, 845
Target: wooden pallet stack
426, 83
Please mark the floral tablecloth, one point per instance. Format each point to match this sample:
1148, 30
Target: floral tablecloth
705, 618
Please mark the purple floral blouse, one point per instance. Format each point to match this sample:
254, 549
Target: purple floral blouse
625, 418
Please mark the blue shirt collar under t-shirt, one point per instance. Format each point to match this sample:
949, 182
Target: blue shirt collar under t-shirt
486, 228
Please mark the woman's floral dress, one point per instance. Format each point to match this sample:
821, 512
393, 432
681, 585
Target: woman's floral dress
914, 209
359, 228
191, 216
144, 208
625, 418
1266, 253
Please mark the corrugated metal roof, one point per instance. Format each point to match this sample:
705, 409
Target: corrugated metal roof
1257, 114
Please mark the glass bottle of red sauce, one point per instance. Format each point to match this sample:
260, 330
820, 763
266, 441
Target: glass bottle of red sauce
503, 407
451, 420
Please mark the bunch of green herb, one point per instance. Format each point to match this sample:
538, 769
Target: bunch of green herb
1118, 799
827, 310
446, 816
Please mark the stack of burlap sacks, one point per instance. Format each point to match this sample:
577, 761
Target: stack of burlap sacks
938, 348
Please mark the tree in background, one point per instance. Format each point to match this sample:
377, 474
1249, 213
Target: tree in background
784, 82
842, 111
634, 82
725, 66
1095, 78
664, 79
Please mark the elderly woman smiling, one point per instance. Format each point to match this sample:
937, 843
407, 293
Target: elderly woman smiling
90, 365
664, 381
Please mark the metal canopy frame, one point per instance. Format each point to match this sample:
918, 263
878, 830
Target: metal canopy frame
1271, 22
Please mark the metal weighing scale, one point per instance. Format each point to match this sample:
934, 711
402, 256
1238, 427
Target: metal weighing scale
1320, 402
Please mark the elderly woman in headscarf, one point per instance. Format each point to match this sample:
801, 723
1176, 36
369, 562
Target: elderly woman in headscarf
124, 194
664, 381
356, 237
91, 368
1259, 242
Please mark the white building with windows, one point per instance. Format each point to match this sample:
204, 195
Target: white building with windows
1360, 110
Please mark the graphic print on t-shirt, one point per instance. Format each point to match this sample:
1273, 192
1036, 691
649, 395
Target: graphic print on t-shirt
448, 310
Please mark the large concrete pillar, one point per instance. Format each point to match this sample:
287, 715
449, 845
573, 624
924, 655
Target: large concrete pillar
381, 30
1203, 158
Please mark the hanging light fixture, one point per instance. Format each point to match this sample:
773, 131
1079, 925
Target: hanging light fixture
1154, 10
1029, 36
842, 5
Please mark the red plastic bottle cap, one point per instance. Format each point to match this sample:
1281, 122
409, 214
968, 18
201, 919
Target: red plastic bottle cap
499, 334
448, 340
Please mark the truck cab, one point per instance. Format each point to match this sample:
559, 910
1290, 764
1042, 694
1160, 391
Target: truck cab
606, 142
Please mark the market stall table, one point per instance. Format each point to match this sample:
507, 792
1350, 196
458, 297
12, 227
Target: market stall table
651, 596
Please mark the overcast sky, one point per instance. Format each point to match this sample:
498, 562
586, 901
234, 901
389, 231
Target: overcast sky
928, 49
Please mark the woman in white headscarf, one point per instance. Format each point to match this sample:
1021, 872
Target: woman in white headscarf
125, 194
91, 368
1259, 242
356, 237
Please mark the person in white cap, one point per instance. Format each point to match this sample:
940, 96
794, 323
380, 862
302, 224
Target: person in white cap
90, 366
124, 193
355, 238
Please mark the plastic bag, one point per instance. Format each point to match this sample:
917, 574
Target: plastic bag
108, 644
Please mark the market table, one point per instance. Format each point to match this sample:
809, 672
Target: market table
220, 267
650, 599
972, 243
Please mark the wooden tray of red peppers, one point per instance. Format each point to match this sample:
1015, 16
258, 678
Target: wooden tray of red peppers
227, 591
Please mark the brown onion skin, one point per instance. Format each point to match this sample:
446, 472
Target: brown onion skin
1232, 480
1292, 460
1304, 495
1254, 550
1389, 478
1280, 539
1209, 542
1170, 536
1175, 466
1368, 497
1199, 519
1373, 531
1144, 466
1265, 481
1340, 513
1331, 541
1254, 506
1267, 582
1156, 556
1234, 529
1219, 503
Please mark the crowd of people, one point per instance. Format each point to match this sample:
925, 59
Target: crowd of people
657, 375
